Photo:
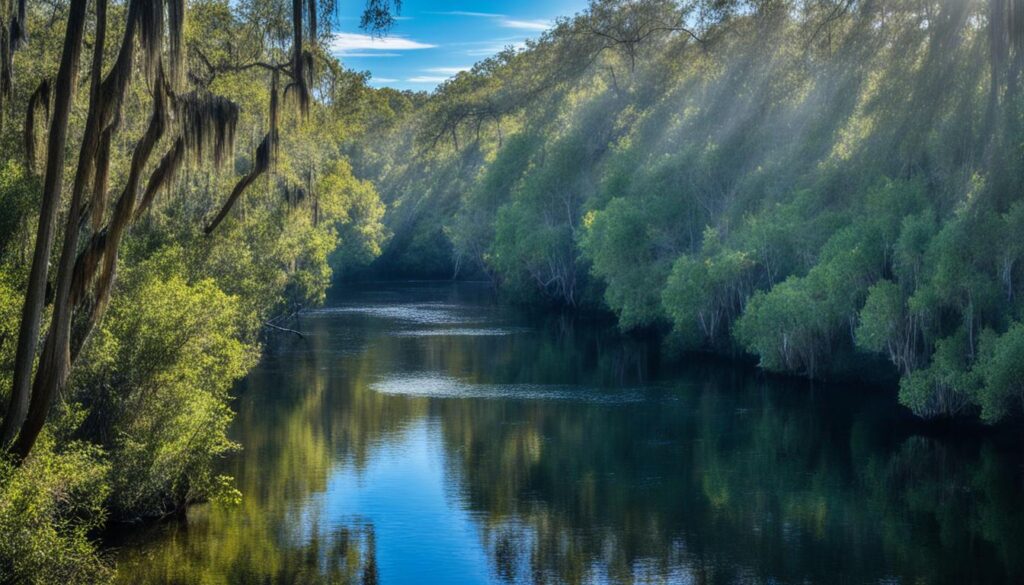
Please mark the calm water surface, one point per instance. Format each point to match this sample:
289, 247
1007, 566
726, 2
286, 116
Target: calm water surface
423, 434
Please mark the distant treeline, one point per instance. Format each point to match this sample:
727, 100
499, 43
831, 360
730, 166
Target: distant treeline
805, 181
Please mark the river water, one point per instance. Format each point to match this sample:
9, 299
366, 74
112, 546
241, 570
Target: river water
424, 433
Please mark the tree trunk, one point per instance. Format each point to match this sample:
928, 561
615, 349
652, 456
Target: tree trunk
54, 363
52, 185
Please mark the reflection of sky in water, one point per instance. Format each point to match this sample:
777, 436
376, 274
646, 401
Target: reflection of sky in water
425, 313
461, 332
460, 442
440, 386
424, 533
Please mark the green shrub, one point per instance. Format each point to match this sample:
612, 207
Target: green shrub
616, 240
1001, 365
156, 379
706, 293
947, 386
48, 507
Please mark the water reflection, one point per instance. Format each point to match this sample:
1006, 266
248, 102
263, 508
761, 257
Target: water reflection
435, 386
559, 452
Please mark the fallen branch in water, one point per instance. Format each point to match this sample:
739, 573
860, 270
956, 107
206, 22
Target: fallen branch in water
283, 329
286, 316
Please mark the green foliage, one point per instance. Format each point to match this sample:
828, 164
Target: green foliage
356, 209
472, 230
143, 424
850, 162
11, 299
48, 507
19, 195
795, 325
615, 242
946, 385
535, 233
959, 271
704, 294
796, 182
155, 379
787, 328
915, 235
954, 381
1001, 365
881, 318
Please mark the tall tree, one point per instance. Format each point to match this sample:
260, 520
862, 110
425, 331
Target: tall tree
201, 123
53, 182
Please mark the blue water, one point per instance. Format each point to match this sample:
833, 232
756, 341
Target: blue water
424, 433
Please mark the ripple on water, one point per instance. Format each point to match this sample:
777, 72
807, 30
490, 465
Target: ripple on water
439, 386
426, 314
460, 332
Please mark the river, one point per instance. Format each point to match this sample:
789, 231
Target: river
424, 433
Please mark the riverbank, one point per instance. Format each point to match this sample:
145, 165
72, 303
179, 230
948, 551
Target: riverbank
426, 432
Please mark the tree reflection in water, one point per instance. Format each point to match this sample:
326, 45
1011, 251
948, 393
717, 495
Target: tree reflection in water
713, 475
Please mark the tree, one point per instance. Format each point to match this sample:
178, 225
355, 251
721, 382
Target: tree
708, 292
204, 127
885, 325
854, 161
1001, 365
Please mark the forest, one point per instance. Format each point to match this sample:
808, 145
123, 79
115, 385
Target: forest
172, 189
821, 187
828, 187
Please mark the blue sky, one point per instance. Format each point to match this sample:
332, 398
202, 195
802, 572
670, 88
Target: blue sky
435, 39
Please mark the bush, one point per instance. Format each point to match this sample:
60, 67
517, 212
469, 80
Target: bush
48, 506
156, 379
1001, 365
707, 293
617, 242
947, 386
788, 327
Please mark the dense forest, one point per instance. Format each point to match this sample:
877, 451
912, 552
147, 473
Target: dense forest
172, 188
824, 185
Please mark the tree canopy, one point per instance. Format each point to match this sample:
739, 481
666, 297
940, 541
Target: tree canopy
814, 183
174, 187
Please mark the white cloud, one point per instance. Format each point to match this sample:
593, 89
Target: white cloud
347, 54
503, 20
447, 70
537, 25
347, 43
382, 80
427, 79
